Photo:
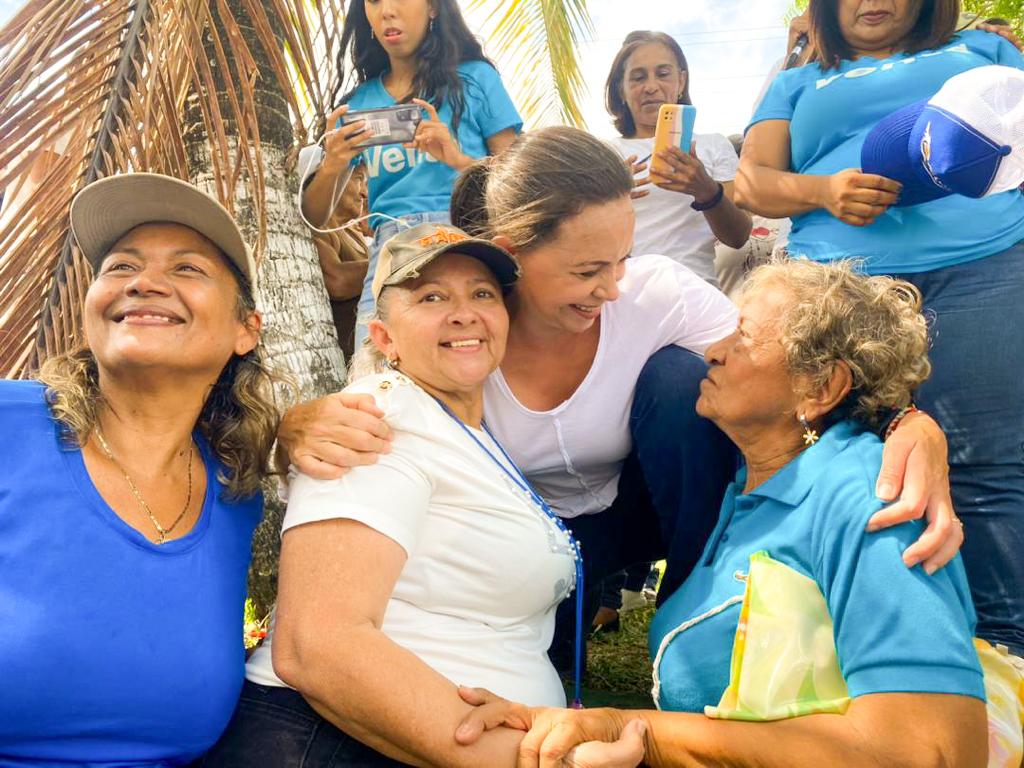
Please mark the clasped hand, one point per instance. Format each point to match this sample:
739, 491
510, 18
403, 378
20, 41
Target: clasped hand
556, 738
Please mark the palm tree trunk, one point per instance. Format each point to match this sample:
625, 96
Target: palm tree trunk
298, 333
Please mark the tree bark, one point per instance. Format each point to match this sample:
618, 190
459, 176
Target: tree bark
298, 331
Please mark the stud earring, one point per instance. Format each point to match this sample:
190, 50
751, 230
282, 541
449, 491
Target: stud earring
430, 26
392, 364
810, 435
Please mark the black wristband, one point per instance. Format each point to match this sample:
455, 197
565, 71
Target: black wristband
715, 200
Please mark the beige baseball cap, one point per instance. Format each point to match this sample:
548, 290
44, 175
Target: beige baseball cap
105, 210
404, 255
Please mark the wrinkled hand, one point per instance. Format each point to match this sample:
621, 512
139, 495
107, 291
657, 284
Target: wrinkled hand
557, 738
434, 138
341, 144
858, 198
635, 168
679, 171
915, 474
627, 752
566, 737
325, 438
1005, 32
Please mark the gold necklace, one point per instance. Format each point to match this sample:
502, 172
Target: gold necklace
160, 530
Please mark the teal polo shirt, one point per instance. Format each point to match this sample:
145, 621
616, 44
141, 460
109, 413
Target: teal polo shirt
896, 628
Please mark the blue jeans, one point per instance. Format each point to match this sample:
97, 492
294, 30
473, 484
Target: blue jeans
670, 490
276, 728
387, 230
976, 392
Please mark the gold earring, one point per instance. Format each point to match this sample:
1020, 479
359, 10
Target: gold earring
810, 435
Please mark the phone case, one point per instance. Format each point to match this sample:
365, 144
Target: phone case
674, 129
390, 125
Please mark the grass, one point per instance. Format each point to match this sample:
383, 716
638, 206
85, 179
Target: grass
618, 664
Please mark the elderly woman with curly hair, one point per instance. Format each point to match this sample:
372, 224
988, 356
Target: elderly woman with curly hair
130, 492
795, 614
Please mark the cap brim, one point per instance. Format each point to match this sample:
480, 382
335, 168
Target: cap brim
502, 263
886, 152
107, 209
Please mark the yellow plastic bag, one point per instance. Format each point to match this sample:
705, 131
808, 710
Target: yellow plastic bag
784, 662
784, 655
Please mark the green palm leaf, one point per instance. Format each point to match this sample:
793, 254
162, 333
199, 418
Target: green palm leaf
539, 41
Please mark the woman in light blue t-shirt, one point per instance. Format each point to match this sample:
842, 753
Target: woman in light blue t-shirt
420, 52
801, 159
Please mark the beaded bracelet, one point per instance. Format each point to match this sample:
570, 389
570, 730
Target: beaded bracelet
900, 415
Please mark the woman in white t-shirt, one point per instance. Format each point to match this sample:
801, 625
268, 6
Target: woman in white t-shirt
680, 215
435, 566
594, 399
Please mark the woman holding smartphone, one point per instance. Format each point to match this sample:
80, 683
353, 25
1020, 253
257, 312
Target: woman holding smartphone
421, 52
684, 207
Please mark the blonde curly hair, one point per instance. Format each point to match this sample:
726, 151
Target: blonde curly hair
239, 417
874, 324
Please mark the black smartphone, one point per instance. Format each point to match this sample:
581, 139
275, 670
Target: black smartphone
389, 125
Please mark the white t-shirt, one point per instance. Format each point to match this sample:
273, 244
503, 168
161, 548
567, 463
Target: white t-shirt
573, 454
486, 567
665, 222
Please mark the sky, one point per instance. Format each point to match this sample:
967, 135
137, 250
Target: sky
730, 46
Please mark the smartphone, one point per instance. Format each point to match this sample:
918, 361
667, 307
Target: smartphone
389, 125
674, 129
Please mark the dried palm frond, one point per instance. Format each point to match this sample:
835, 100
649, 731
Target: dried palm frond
539, 41
89, 88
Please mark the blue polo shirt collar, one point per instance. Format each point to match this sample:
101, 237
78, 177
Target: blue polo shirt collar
791, 484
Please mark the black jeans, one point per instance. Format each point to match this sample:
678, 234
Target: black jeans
670, 491
275, 728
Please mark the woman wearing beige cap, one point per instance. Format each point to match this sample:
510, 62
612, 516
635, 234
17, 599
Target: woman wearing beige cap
130, 492
436, 566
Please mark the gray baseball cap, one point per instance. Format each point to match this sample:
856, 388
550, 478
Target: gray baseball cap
105, 210
404, 255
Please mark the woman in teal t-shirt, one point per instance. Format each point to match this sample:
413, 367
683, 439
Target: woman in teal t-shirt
418, 51
966, 256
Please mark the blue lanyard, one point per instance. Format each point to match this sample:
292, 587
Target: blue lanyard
524, 485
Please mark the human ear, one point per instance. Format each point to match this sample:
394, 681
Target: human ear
835, 389
381, 338
249, 334
503, 242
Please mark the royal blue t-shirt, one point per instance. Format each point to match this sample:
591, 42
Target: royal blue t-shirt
831, 112
114, 651
404, 181
896, 629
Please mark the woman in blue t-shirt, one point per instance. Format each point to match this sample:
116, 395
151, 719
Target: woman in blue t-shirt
130, 492
801, 159
418, 51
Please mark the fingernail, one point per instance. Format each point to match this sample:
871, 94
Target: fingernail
462, 730
886, 490
871, 527
930, 569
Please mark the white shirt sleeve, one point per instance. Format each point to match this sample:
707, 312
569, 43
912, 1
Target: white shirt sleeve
390, 496
719, 157
679, 306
